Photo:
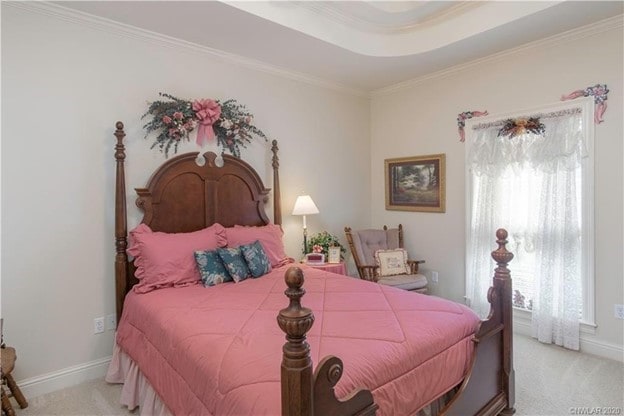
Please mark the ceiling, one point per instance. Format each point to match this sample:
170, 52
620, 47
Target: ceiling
362, 45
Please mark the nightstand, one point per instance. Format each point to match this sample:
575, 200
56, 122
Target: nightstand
338, 268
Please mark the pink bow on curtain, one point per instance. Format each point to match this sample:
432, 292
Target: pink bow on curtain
208, 112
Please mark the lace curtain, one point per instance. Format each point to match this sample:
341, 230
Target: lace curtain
531, 185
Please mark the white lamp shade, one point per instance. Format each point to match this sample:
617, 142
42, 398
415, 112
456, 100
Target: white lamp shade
304, 206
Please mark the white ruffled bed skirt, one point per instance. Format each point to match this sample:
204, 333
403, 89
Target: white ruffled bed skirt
136, 390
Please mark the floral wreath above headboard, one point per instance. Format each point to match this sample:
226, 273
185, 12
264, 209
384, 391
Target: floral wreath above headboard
174, 119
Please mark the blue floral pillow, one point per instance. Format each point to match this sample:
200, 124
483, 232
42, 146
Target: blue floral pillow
235, 263
211, 268
256, 258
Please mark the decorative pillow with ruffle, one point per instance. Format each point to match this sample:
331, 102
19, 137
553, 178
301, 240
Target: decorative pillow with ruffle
167, 259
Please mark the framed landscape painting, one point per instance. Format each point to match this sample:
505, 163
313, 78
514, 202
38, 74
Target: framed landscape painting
416, 183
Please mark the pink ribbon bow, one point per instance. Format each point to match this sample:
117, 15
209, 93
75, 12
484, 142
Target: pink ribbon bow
208, 112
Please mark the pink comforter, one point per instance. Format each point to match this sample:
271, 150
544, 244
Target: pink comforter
217, 350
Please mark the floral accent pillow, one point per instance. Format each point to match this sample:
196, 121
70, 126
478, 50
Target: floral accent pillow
256, 258
211, 268
392, 262
234, 262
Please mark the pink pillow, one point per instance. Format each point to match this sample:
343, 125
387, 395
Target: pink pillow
168, 260
270, 236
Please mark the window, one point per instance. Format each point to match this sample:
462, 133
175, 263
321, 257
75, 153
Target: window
532, 173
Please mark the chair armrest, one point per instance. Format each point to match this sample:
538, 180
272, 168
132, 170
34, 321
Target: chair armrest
370, 273
413, 265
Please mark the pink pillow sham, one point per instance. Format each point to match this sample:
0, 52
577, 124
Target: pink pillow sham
167, 260
270, 236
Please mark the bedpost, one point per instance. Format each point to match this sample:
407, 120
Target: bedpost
277, 204
296, 376
488, 388
502, 283
121, 226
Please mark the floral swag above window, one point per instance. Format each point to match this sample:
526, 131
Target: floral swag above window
174, 119
520, 126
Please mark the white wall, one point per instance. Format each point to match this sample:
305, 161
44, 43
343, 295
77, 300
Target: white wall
420, 119
64, 85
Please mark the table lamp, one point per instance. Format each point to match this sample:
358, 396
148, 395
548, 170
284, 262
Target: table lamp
304, 206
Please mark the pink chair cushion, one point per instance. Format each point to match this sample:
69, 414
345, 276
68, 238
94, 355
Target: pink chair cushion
270, 236
166, 260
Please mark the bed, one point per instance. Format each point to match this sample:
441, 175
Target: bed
218, 350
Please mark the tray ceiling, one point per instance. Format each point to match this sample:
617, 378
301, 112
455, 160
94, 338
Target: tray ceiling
363, 45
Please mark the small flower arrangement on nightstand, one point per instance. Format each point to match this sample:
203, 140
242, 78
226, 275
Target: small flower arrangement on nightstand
320, 243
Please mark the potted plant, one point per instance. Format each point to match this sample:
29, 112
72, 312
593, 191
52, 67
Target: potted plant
320, 243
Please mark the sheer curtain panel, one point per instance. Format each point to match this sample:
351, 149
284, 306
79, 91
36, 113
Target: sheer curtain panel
530, 182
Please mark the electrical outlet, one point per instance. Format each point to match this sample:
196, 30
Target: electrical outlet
111, 322
434, 276
98, 325
619, 311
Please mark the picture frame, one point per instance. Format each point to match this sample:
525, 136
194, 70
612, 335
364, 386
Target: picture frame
416, 183
333, 255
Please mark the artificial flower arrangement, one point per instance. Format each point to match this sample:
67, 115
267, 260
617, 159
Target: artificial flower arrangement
174, 119
320, 243
519, 126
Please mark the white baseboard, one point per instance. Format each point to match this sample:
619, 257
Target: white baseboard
67, 377
589, 346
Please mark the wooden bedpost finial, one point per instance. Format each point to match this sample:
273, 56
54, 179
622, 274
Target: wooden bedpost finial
120, 153
501, 256
296, 321
274, 149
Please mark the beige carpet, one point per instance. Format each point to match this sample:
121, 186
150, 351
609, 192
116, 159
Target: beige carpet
549, 381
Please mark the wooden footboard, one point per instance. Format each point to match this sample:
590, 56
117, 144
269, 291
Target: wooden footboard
487, 389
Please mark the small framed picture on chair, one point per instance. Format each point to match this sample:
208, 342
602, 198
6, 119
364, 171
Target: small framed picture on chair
334, 254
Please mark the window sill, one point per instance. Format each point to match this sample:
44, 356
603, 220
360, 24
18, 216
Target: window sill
524, 316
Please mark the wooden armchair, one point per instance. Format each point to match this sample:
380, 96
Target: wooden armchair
8, 357
364, 244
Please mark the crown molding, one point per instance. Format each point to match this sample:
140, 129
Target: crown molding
359, 23
132, 32
593, 29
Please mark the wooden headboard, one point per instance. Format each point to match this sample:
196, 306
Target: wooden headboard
182, 196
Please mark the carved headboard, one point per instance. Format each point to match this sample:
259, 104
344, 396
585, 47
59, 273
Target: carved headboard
182, 196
